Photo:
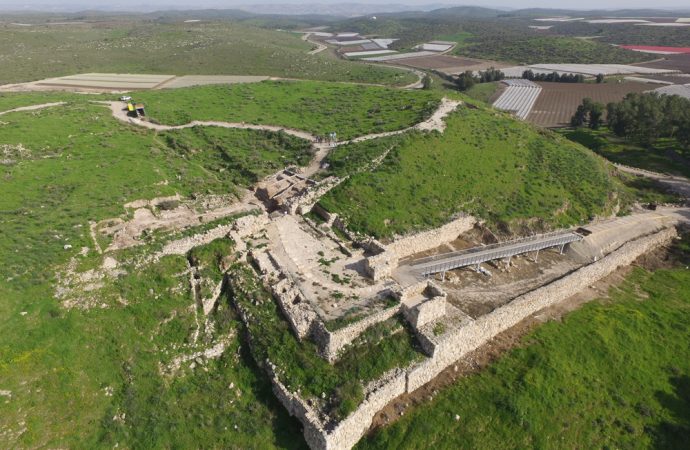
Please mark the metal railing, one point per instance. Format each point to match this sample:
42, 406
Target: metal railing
478, 255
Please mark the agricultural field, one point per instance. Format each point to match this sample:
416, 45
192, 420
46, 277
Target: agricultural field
319, 108
614, 373
450, 64
557, 102
485, 35
207, 48
673, 62
627, 34
664, 156
502, 171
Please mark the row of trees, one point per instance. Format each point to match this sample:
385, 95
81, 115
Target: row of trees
554, 76
650, 116
467, 79
643, 118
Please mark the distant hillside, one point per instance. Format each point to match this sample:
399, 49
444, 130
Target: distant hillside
205, 48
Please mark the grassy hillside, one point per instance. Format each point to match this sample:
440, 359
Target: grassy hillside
501, 38
319, 108
215, 48
615, 374
485, 164
93, 378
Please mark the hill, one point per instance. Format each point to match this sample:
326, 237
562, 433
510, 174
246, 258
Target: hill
485, 164
316, 107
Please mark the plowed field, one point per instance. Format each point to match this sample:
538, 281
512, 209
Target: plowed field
449, 64
675, 62
558, 101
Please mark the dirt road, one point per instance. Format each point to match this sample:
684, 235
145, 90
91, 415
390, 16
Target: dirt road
319, 46
677, 184
32, 107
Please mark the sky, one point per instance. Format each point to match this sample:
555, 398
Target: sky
199, 4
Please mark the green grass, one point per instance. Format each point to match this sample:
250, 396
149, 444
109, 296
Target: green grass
319, 108
501, 170
84, 165
664, 156
378, 350
348, 159
136, 46
12, 100
483, 91
551, 49
614, 374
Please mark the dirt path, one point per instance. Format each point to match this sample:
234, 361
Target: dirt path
434, 123
32, 108
319, 46
119, 110
677, 184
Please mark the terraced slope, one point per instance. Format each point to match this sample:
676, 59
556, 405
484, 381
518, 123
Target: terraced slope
501, 170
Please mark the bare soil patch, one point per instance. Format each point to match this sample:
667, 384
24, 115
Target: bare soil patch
558, 101
674, 62
449, 64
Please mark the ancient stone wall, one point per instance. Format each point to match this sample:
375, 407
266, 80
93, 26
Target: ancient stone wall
314, 433
469, 337
348, 432
330, 343
325, 215
382, 265
251, 224
426, 312
298, 313
455, 344
304, 203
431, 239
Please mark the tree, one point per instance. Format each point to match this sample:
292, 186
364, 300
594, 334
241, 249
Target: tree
426, 82
528, 74
465, 80
600, 78
491, 74
596, 113
588, 112
579, 117
683, 133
